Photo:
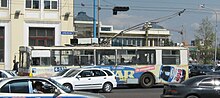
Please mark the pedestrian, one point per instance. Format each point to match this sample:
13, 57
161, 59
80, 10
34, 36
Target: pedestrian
15, 67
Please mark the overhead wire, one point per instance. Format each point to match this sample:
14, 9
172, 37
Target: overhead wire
157, 20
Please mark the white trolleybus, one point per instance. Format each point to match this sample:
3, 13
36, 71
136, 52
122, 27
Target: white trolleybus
145, 66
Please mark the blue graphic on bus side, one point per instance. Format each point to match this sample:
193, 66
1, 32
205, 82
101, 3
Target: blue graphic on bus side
172, 74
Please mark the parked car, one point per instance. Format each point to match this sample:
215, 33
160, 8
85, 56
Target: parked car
26, 87
217, 68
196, 70
88, 79
7, 74
203, 86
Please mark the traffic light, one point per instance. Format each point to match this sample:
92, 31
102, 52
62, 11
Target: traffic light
74, 41
119, 8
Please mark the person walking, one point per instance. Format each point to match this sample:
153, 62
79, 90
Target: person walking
15, 67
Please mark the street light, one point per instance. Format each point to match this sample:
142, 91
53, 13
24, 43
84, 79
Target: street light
216, 20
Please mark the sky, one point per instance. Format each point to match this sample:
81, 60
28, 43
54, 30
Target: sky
145, 10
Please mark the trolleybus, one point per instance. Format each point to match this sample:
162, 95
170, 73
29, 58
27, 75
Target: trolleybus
145, 66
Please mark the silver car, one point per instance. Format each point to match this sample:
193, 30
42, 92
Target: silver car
7, 74
24, 87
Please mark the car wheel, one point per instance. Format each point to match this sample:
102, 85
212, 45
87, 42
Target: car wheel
67, 85
192, 96
107, 87
147, 81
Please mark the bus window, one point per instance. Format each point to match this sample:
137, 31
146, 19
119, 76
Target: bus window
55, 59
66, 57
171, 57
126, 57
40, 57
105, 57
62, 57
40, 61
76, 60
36, 61
45, 61
84, 57
146, 57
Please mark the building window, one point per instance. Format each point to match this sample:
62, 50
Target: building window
50, 4
2, 43
33, 4
105, 28
4, 3
41, 36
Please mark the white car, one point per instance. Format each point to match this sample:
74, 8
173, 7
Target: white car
25, 87
88, 78
7, 74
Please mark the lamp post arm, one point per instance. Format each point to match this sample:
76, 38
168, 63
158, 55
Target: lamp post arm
216, 37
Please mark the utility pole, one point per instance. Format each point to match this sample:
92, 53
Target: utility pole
148, 24
98, 30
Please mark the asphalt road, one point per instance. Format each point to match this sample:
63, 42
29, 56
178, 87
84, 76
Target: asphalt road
125, 92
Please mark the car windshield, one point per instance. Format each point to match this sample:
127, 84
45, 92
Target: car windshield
11, 72
192, 80
72, 73
60, 86
108, 72
62, 72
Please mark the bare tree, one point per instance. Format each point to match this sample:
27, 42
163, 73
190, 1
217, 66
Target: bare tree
205, 38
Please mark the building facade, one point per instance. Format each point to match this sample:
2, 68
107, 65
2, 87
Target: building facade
33, 23
157, 35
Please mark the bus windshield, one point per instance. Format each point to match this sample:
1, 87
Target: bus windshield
24, 61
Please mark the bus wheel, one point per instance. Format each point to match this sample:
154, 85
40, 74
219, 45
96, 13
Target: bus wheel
67, 85
147, 81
